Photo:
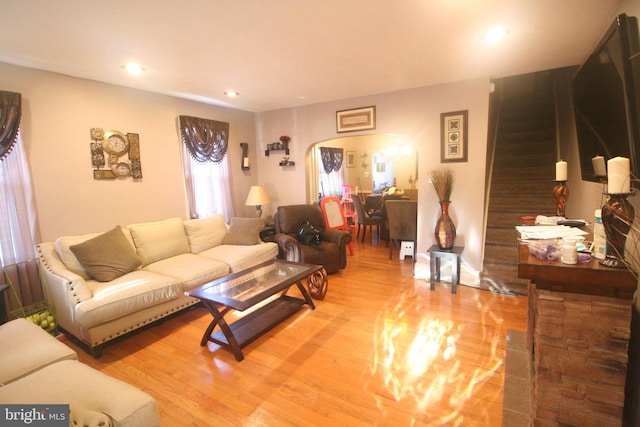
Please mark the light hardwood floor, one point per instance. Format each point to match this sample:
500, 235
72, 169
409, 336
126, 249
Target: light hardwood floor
379, 350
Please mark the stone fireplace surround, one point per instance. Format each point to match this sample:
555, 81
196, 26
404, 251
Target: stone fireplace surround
577, 342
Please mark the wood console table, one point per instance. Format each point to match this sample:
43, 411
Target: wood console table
578, 331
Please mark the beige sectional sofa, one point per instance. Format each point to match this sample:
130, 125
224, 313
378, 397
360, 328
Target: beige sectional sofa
104, 285
37, 369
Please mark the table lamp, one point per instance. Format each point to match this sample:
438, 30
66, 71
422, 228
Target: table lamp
257, 197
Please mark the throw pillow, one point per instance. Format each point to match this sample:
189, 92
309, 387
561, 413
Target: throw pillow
159, 240
205, 233
244, 231
107, 256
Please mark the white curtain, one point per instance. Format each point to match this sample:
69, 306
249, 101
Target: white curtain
208, 187
330, 183
18, 233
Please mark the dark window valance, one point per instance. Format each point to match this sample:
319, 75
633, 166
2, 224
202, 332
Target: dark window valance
10, 112
331, 158
206, 140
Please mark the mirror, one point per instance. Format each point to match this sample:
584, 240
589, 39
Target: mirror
372, 163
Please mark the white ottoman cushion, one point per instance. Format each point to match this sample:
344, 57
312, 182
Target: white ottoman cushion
74, 383
27, 348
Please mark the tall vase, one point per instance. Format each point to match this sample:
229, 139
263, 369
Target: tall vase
617, 218
445, 229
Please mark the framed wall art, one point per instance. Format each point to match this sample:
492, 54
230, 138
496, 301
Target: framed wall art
453, 135
356, 119
351, 159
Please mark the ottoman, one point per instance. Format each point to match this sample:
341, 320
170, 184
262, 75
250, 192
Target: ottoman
25, 348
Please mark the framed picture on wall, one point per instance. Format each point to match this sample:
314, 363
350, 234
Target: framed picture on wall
356, 119
351, 159
453, 135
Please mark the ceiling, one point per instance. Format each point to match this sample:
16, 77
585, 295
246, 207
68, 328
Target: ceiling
286, 53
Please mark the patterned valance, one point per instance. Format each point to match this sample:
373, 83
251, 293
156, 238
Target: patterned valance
331, 158
10, 112
206, 140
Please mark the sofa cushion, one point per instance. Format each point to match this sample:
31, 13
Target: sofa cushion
127, 294
107, 256
70, 381
244, 231
21, 356
205, 233
189, 269
159, 240
63, 247
242, 257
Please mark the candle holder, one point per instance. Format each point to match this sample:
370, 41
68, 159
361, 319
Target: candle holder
617, 218
561, 194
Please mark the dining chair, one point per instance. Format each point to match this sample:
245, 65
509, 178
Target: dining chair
402, 219
334, 216
365, 219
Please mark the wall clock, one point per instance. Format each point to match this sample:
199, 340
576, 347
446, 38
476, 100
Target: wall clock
122, 154
121, 170
115, 143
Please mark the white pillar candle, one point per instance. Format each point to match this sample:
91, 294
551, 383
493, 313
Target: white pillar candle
561, 171
599, 168
245, 162
619, 175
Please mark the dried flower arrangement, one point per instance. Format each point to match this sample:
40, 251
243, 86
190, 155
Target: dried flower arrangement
442, 180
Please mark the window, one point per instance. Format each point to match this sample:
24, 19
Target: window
17, 210
206, 167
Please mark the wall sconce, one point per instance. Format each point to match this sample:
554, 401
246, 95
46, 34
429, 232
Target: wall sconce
257, 197
245, 156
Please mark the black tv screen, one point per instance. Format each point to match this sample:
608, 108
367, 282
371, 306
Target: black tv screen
605, 98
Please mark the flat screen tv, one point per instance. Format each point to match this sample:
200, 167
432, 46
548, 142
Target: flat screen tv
606, 97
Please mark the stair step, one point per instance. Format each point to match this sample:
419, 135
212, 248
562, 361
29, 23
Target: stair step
501, 237
503, 278
501, 252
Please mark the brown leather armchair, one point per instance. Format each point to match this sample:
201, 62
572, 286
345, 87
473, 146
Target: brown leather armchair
331, 253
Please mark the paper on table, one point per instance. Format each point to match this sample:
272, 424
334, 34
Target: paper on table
534, 232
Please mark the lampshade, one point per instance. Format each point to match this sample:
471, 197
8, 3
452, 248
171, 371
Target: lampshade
257, 196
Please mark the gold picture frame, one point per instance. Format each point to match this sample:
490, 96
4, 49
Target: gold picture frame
356, 119
453, 136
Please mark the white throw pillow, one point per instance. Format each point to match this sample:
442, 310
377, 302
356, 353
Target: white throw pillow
159, 240
205, 233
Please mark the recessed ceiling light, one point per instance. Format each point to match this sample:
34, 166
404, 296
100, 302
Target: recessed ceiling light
232, 93
495, 35
134, 68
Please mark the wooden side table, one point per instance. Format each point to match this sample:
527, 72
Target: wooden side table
436, 255
268, 233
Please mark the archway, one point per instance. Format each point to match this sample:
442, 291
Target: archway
371, 163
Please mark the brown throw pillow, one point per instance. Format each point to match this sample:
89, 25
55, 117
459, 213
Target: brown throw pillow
107, 256
243, 231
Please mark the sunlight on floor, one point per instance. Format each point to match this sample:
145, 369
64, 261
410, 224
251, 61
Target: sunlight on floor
423, 364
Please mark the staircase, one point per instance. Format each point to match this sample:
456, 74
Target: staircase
523, 170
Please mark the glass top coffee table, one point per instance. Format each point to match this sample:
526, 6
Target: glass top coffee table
248, 288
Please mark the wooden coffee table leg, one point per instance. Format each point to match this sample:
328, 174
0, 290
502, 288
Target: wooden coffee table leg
318, 284
218, 319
